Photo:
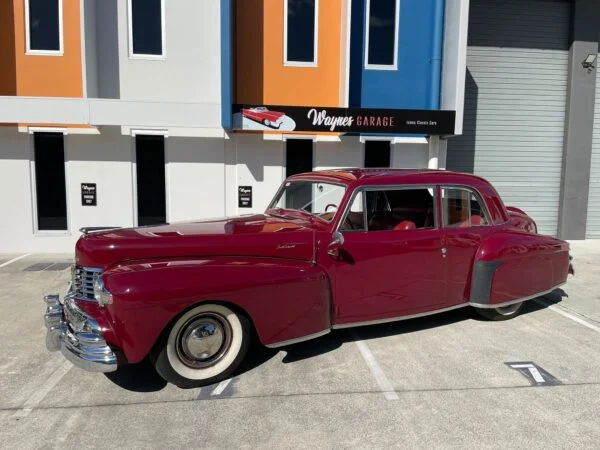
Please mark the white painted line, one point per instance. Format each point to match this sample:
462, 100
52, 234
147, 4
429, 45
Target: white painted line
537, 376
569, 316
4, 367
14, 260
382, 380
39, 395
221, 387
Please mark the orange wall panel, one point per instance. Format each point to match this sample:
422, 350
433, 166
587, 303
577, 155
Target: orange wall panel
249, 78
302, 86
8, 74
262, 77
50, 76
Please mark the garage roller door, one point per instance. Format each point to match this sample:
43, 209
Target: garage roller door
517, 66
593, 216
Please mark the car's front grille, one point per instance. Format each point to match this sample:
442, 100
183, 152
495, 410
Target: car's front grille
83, 282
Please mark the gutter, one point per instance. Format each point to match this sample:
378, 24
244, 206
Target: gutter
437, 54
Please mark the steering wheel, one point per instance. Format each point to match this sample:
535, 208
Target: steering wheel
332, 205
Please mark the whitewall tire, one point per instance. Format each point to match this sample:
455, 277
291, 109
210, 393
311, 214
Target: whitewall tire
503, 313
204, 346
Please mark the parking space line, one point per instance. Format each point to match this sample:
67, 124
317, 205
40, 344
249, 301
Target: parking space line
386, 387
568, 316
221, 387
14, 260
39, 395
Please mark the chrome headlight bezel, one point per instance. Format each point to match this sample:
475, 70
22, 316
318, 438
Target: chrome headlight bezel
101, 294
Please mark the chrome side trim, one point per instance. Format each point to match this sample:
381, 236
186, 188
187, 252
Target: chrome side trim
397, 319
300, 339
512, 302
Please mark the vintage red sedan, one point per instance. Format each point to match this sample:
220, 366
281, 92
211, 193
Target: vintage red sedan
334, 249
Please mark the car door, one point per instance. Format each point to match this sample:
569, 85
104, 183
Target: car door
466, 222
390, 263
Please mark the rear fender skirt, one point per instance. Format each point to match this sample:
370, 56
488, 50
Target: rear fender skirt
481, 281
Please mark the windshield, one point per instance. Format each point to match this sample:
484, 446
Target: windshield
317, 198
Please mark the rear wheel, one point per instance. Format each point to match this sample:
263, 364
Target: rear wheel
204, 346
503, 313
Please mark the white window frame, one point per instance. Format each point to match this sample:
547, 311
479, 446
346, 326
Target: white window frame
288, 63
29, 50
393, 66
163, 33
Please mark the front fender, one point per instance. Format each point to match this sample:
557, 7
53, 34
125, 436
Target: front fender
285, 299
513, 265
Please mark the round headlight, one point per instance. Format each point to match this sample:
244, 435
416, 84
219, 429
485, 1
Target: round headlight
102, 296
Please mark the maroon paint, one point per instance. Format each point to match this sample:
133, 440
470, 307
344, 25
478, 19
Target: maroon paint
278, 270
383, 274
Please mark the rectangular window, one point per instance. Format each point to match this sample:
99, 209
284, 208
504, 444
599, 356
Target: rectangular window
43, 20
147, 28
462, 209
151, 186
50, 181
377, 154
301, 24
400, 209
382, 34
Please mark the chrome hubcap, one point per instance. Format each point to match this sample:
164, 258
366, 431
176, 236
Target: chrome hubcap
203, 340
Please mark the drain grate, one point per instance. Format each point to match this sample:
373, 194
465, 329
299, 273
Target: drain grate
47, 267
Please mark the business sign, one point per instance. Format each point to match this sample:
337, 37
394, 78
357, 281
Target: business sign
342, 120
89, 194
245, 196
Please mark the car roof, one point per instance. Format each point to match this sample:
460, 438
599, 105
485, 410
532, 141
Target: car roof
386, 176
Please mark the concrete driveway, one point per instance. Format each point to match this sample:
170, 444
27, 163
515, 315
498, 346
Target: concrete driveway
443, 381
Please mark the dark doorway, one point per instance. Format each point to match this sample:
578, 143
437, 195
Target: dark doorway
299, 159
298, 156
50, 183
150, 170
377, 154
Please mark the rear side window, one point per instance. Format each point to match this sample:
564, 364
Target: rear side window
463, 209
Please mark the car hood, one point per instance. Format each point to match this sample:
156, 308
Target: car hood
258, 235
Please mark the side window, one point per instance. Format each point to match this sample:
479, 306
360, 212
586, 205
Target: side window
401, 209
355, 218
462, 209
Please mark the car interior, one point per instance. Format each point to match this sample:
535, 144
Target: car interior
402, 209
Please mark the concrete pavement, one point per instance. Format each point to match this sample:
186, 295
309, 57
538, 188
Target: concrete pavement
448, 375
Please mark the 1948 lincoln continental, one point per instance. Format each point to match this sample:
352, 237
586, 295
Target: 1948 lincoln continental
334, 249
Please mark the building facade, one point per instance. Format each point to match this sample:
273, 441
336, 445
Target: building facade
135, 112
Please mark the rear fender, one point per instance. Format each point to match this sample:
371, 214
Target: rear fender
285, 299
514, 266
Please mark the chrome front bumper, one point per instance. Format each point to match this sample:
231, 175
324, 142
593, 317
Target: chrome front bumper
77, 336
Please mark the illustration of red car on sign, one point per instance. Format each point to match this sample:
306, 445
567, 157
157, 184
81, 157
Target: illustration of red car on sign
260, 114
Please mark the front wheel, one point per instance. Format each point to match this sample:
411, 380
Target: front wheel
204, 346
503, 313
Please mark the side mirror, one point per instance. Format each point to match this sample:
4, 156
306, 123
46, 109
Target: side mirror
336, 244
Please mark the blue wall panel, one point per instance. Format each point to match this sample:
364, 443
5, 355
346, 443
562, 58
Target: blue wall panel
416, 82
226, 62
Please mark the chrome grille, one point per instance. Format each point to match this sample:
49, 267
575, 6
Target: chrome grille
83, 282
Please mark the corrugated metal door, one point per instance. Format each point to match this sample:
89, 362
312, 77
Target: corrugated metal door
593, 215
517, 65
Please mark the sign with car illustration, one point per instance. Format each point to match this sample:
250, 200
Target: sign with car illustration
342, 120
